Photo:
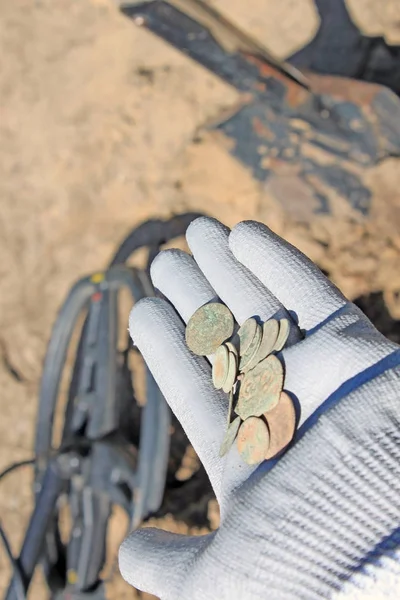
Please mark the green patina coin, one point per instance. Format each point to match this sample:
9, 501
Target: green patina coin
208, 328
230, 436
253, 440
248, 357
260, 388
232, 348
284, 329
220, 367
246, 334
270, 331
232, 372
230, 406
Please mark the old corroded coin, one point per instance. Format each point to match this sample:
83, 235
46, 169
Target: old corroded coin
208, 327
284, 328
246, 334
260, 388
231, 376
248, 357
220, 367
230, 406
253, 440
282, 424
270, 333
232, 348
230, 436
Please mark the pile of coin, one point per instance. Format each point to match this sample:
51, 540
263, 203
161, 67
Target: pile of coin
246, 367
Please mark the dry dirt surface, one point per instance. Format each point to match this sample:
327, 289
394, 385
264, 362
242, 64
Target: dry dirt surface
100, 129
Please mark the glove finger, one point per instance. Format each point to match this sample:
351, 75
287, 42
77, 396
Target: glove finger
237, 287
155, 561
177, 276
185, 381
292, 277
334, 360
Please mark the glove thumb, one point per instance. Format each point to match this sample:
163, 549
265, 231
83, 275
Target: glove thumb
156, 561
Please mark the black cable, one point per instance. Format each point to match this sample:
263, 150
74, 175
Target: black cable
19, 583
17, 465
18, 574
76, 445
17, 571
20, 586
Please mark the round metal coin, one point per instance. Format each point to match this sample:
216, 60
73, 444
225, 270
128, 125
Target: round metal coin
220, 367
230, 406
208, 327
246, 333
231, 376
248, 357
232, 348
253, 440
230, 436
284, 329
260, 388
282, 424
270, 333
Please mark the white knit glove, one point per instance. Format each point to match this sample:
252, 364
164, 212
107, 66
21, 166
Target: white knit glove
321, 521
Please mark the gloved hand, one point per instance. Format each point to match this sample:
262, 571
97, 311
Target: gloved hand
320, 522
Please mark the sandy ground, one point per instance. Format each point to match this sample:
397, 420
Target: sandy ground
100, 130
